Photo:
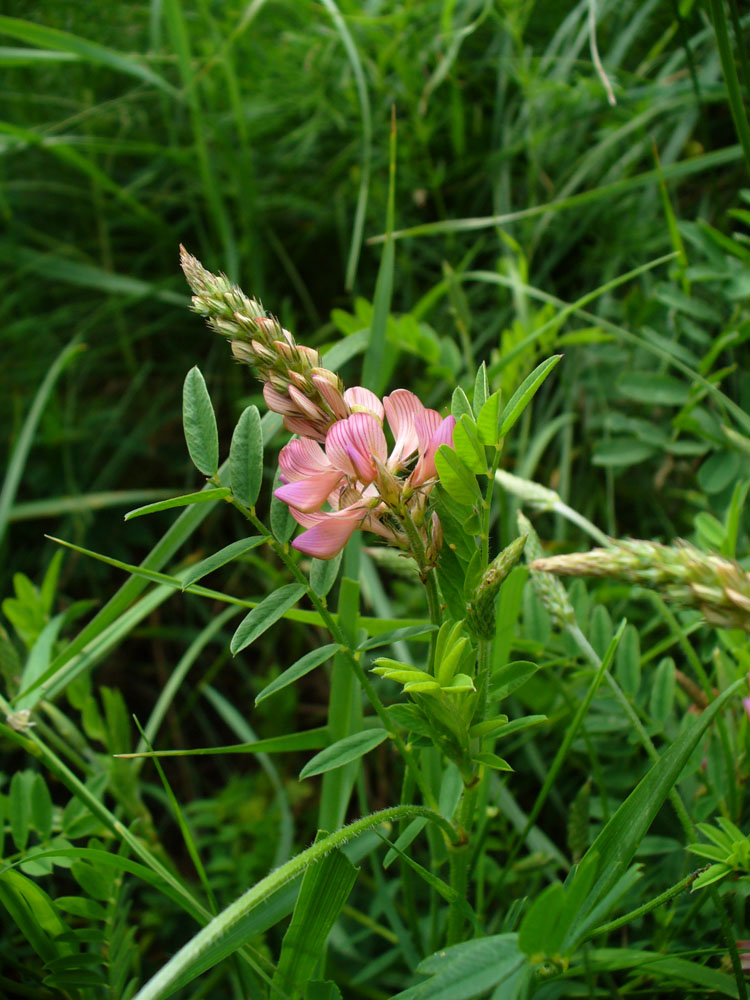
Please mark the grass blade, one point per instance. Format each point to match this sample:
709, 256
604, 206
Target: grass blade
17, 461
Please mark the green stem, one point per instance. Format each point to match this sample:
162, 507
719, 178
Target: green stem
484, 664
459, 865
427, 576
652, 904
352, 657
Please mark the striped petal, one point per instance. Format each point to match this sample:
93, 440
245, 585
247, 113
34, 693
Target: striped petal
402, 408
352, 444
330, 534
302, 458
309, 494
364, 401
432, 433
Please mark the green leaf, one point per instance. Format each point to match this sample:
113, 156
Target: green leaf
460, 404
481, 389
246, 457
511, 677
525, 393
653, 388
457, 480
19, 807
539, 935
343, 751
34, 913
188, 499
199, 423
40, 805
628, 661
492, 760
232, 551
662, 691
397, 635
656, 965
323, 573
472, 969
303, 666
62, 41
467, 445
488, 421
324, 890
622, 451
713, 874
263, 617
282, 522
318, 990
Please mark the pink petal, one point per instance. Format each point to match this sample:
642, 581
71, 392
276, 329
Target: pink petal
358, 397
401, 409
442, 434
351, 445
332, 396
302, 458
277, 402
310, 493
305, 428
330, 534
304, 404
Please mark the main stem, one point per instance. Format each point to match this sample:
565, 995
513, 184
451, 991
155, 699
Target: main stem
352, 656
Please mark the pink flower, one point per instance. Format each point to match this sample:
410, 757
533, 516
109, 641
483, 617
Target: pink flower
355, 461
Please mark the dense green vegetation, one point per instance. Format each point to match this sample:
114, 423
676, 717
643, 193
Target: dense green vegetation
418, 188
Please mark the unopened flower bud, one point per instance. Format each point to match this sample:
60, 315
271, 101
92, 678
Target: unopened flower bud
387, 484
480, 610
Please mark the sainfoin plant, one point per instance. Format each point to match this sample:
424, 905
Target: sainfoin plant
437, 700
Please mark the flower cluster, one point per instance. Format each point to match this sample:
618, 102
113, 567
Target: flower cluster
363, 484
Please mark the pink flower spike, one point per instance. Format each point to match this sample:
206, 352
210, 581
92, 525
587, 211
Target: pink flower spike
277, 402
442, 434
351, 445
331, 533
401, 409
362, 400
332, 396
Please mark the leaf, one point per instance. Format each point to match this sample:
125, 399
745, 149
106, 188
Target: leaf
511, 677
492, 760
467, 445
186, 500
62, 41
282, 521
19, 807
246, 457
269, 610
323, 573
653, 388
397, 635
539, 935
220, 558
40, 807
324, 890
299, 669
662, 691
525, 393
199, 423
628, 661
471, 969
460, 404
457, 480
488, 421
481, 389
343, 751
34, 913
621, 451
